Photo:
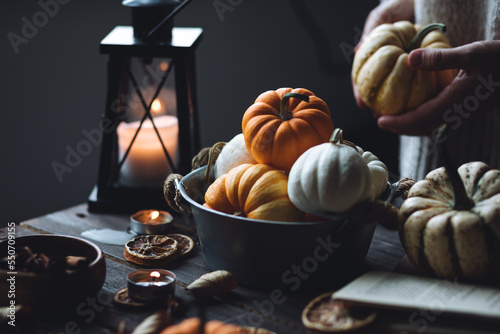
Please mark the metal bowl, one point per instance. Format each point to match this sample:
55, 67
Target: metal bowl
270, 254
46, 289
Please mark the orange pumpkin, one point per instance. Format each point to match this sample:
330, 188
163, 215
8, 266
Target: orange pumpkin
192, 326
255, 191
283, 124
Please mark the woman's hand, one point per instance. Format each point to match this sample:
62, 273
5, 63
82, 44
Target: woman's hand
477, 86
389, 11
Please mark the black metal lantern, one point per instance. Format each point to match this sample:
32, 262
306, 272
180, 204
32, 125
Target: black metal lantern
150, 122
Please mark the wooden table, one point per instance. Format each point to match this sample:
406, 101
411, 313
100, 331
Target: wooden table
242, 306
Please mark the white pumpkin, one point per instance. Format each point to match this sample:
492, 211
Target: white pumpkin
450, 222
330, 178
379, 171
232, 155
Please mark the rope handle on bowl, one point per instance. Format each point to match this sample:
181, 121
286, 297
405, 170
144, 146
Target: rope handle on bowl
403, 187
172, 194
173, 197
212, 156
381, 211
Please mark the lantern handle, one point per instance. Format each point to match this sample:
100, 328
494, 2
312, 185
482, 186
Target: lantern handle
167, 18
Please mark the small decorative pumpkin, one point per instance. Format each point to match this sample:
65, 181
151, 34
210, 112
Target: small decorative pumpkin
283, 124
233, 154
450, 222
330, 178
255, 191
378, 170
385, 81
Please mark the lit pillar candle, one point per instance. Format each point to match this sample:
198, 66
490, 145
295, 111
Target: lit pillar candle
146, 163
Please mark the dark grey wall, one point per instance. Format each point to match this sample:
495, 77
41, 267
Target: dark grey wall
53, 88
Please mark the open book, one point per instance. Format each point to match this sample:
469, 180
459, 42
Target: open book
400, 291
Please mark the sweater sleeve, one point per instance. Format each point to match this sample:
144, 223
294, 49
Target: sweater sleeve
493, 21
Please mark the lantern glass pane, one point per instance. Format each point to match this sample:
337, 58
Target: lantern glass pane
146, 164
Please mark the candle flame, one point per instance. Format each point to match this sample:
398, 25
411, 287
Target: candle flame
164, 66
156, 106
155, 274
154, 215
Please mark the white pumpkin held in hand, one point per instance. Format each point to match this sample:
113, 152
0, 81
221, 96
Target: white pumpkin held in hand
232, 155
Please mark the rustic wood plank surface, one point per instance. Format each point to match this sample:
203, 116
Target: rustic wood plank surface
243, 306
385, 251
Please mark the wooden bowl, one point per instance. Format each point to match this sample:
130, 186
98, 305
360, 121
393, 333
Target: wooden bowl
49, 289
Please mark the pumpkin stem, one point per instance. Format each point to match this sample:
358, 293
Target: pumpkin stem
337, 138
415, 42
285, 114
462, 201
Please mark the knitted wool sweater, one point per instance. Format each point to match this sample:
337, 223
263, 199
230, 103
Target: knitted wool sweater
475, 135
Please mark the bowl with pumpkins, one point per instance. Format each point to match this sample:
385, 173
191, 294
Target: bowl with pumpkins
275, 208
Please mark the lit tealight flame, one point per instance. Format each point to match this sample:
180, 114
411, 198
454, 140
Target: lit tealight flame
164, 66
155, 274
156, 106
153, 216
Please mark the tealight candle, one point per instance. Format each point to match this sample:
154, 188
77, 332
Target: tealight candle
151, 222
151, 285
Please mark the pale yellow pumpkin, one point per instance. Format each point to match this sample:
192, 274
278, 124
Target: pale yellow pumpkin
384, 79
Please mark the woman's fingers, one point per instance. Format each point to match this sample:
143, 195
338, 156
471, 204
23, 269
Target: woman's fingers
428, 116
474, 57
439, 59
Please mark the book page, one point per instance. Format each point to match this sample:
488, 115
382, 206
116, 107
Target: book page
389, 289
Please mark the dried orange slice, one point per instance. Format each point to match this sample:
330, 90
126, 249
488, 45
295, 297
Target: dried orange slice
151, 250
186, 244
325, 314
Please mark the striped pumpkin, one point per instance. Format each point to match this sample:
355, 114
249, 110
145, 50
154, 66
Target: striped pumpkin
255, 191
386, 82
450, 223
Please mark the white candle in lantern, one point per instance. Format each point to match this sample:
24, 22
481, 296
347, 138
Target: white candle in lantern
146, 163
